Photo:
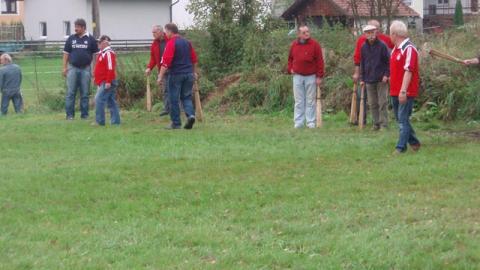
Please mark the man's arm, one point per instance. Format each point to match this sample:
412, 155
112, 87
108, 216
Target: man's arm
65, 64
407, 77
151, 63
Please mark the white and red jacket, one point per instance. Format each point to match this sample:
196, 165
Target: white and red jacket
105, 66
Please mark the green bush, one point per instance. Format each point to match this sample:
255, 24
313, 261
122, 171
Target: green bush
53, 101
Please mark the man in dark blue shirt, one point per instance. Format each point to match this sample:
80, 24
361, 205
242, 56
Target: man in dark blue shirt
375, 71
77, 58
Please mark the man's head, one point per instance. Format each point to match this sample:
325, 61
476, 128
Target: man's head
370, 32
80, 26
398, 32
171, 29
157, 32
303, 33
104, 42
5, 59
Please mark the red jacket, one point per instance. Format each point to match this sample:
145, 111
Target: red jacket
155, 56
404, 58
105, 66
306, 59
357, 55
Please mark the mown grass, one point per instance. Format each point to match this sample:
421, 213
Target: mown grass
234, 193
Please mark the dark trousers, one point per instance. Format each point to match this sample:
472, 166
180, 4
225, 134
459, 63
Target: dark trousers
180, 90
16, 99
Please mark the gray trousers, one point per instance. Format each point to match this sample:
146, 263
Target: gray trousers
378, 103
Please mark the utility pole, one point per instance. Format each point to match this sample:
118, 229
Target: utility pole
96, 18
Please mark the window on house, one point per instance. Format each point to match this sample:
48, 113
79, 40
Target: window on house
43, 29
408, 2
442, 1
66, 28
9, 6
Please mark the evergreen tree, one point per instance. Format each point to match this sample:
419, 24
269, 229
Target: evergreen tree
458, 18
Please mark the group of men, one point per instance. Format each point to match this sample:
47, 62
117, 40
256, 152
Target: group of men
171, 54
378, 59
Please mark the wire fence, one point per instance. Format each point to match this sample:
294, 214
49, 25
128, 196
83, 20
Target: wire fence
42, 69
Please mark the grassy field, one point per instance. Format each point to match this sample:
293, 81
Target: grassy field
234, 193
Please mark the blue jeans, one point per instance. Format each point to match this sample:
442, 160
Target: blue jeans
180, 89
106, 96
77, 78
402, 115
16, 99
305, 94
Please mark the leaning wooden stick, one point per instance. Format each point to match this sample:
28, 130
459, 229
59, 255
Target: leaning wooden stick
353, 106
362, 108
198, 103
149, 95
319, 107
448, 57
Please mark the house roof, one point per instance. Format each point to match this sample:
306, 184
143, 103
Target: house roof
344, 8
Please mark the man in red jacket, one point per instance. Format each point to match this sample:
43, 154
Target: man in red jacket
156, 52
305, 62
105, 79
404, 84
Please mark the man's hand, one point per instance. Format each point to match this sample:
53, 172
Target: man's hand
385, 79
107, 86
355, 77
147, 72
64, 72
362, 83
318, 81
160, 80
469, 62
402, 97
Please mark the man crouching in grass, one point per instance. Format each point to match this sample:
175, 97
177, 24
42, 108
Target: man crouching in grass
10, 81
105, 79
404, 82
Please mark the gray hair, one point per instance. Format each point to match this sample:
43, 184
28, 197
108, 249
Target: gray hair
157, 28
6, 57
399, 28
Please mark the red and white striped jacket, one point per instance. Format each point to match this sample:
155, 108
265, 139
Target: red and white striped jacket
105, 66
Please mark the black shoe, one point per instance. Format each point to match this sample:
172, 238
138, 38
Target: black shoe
190, 122
172, 126
164, 113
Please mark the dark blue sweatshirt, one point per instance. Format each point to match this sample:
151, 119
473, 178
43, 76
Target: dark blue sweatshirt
375, 62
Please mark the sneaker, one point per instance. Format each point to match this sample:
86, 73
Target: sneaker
190, 122
69, 118
163, 113
172, 126
376, 127
397, 152
416, 147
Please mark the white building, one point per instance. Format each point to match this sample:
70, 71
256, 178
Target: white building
120, 19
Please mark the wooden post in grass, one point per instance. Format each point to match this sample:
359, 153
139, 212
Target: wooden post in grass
362, 108
319, 107
353, 106
198, 103
149, 95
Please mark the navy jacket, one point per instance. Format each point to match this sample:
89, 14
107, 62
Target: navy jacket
375, 62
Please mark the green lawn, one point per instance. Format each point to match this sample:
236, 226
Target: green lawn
234, 193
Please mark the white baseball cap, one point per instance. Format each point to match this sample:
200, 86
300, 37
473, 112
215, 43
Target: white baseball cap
369, 28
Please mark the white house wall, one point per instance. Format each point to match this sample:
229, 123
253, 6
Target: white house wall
120, 19
126, 19
54, 13
466, 4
